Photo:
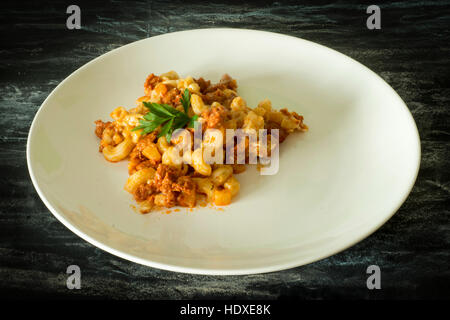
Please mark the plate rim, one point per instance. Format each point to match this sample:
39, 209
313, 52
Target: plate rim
217, 271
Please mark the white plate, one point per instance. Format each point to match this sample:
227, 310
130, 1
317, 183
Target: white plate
337, 183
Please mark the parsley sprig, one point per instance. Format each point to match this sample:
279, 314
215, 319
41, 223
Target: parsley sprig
167, 117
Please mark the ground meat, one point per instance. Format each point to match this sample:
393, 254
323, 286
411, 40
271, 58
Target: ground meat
296, 116
203, 84
100, 127
282, 134
175, 188
164, 182
172, 97
293, 114
300, 119
150, 83
170, 200
215, 117
186, 188
214, 96
225, 83
145, 142
143, 192
137, 160
214, 93
146, 164
164, 177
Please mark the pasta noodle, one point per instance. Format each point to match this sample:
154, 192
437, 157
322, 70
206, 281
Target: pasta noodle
139, 177
118, 152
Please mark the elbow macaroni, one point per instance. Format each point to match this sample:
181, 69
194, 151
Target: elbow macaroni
199, 164
151, 152
221, 174
118, 152
232, 185
197, 104
138, 178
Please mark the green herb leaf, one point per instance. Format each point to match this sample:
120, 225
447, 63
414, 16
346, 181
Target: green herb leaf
192, 121
167, 130
151, 117
180, 122
186, 100
166, 116
158, 110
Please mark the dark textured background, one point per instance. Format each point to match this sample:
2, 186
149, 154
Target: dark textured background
411, 52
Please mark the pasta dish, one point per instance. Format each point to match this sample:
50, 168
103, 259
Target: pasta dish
187, 139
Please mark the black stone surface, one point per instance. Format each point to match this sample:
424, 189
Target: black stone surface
411, 52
